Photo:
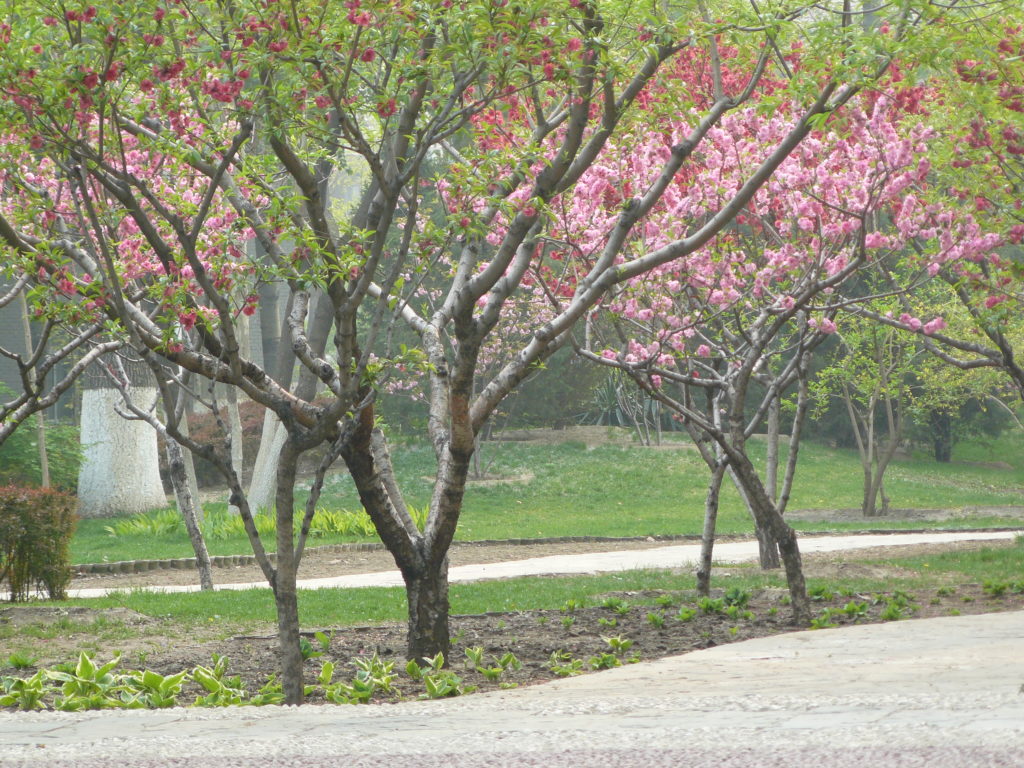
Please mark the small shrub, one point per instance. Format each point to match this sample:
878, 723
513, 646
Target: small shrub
35, 528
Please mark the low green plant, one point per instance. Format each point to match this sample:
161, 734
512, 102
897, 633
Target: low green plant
893, 611
665, 601
372, 674
738, 612
25, 693
568, 621
571, 605
616, 604
824, 620
221, 690
711, 605
611, 623
604, 661
438, 681
564, 665
88, 686
855, 610
821, 593
153, 690
736, 596
311, 651
157, 523
686, 613
619, 644
21, 660
656, 619
995, 588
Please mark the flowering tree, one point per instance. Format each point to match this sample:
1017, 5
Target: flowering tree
148, 144
967, 226
38, 365
753, 305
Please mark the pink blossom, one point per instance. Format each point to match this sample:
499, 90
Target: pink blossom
910, 321
937, 324
704, 350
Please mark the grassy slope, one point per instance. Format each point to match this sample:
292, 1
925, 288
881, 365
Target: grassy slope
631, 491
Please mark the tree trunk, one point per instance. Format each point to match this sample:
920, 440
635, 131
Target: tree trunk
769, 519
285, 597
707, 539
120, 472
869, 504
187, 508
427, 593
235, 427
771, 469
942, 435
768, 551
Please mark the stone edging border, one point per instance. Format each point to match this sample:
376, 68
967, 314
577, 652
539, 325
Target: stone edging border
227, 561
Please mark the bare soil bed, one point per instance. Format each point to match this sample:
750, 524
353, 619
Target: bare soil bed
533, 636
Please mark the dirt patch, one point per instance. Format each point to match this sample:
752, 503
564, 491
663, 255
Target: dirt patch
18, 616
588, 435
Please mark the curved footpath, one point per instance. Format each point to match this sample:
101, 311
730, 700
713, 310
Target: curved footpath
675, 556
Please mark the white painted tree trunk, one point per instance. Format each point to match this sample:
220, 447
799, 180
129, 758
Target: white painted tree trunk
120, 471
263, 485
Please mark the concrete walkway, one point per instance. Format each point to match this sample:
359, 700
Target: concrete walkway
941, 693
603, 562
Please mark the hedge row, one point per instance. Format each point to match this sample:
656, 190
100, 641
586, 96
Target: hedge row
35, 530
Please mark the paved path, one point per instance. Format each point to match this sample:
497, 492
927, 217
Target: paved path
602, 562
941, 693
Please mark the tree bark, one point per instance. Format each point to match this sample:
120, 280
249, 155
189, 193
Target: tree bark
769, 519
707, 539
771, 470
427, 592
187, 508
942, 435
285, 596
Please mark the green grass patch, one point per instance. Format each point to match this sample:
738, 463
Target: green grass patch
568, 490
978, 566
347, 607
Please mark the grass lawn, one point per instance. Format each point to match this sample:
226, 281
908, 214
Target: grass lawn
572, 490
253, 610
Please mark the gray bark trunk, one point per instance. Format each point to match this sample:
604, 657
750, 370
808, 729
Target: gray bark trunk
771, 471
769, 519
427, 593
284, 587
707, 539
187, 508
